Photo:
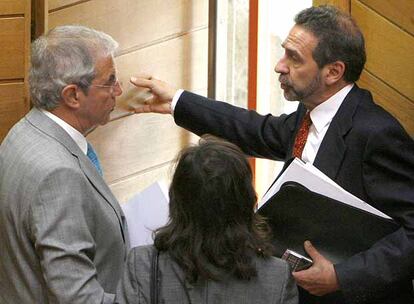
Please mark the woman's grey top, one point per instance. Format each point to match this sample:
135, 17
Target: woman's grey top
273, 283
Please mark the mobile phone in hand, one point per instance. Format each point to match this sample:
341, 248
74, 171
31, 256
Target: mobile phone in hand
296, 261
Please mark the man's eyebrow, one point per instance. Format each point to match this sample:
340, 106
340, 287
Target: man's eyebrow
292, 52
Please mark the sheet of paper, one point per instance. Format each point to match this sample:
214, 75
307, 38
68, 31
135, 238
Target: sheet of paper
145, 212
312, 178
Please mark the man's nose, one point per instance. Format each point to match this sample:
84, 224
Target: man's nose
281, 67
118, 89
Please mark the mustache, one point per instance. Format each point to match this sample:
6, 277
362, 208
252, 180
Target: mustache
284, 80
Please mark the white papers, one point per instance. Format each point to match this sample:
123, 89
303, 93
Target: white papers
145, 212
313, 179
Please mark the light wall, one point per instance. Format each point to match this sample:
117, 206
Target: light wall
166, 38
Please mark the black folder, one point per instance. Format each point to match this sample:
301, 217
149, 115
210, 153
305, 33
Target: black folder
336, 229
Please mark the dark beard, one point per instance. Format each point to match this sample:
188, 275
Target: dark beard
293, 94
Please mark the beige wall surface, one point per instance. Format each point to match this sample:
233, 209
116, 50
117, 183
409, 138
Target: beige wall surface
167, 38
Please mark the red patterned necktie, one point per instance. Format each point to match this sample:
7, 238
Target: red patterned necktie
302, 136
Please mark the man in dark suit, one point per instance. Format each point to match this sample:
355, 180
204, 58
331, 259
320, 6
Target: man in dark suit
352, 140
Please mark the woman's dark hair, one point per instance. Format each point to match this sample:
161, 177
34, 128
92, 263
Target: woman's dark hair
213, 229
339, 38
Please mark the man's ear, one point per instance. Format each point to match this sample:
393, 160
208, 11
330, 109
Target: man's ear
70, 96
334, 72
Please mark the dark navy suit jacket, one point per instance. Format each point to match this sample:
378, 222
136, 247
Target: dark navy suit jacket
366, 151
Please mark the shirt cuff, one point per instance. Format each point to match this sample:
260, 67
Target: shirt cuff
174, 101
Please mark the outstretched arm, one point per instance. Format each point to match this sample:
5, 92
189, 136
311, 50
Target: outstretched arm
257, 135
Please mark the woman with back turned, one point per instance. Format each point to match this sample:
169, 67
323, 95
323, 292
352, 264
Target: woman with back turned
214, 249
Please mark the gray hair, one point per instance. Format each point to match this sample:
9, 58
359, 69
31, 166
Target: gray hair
65, 55
339, 38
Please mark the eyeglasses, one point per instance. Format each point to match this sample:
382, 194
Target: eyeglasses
116, 85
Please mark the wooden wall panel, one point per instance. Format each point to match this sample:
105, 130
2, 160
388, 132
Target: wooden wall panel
388, 29
12, 7
12, 46
390, 54
135, 24
400, 12
342, 4
40, 17
14, 61
12, 105
388, 72
59, 4
398, 105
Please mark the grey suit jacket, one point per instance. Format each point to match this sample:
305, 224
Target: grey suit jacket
62, 233
273, 284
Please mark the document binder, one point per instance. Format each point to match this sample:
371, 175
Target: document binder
337, 230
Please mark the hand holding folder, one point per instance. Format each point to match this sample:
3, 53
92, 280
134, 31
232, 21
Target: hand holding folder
337, 229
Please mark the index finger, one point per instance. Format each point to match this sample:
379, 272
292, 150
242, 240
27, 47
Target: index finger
143, 75
141, 81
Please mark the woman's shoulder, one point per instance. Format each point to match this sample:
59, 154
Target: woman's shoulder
141, 255
272, 267
272, 283
142, 250
273, 260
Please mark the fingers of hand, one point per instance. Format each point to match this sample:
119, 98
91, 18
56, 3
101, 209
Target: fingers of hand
319, 279
304, 276
142, 82
309, 282
143, 75
153, 108
312, 251
143, 109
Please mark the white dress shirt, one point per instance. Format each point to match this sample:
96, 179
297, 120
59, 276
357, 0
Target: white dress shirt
79, 139
321, 117
174, 101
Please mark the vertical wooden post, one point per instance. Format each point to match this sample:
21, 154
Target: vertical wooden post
252, 61
40, 14
27, 39
212, 48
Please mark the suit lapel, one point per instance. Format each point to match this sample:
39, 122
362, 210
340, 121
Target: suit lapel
99, 184
49, 127
333, 147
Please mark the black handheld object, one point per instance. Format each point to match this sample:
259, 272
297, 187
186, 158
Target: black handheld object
337, 230
296, 261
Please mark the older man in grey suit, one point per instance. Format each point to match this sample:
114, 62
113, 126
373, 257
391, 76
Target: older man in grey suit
62, 231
